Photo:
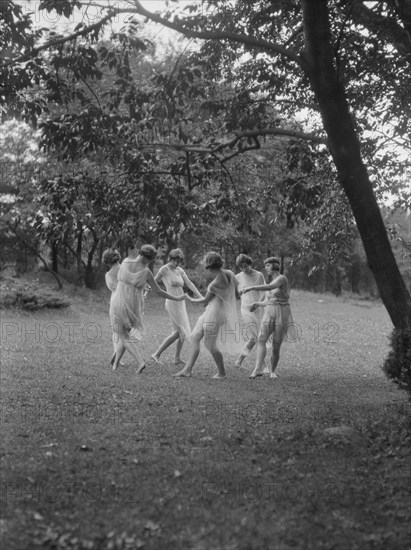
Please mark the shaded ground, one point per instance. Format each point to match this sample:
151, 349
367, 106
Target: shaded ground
96, 459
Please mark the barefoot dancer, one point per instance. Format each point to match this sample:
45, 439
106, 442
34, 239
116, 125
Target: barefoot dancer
174, 279
252, 319
219, 326
126, 306
277, 318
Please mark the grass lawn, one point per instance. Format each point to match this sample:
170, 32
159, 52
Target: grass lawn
103, 460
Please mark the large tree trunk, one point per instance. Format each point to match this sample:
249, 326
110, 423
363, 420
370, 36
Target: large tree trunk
79, 237
90, 274
345, 150
55, 256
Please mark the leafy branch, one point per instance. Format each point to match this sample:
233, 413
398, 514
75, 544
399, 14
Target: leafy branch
59, 41
247, 40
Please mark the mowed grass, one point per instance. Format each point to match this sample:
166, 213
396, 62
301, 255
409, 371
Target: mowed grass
98, 459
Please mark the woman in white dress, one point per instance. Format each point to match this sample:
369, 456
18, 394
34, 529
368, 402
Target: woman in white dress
174, 278
252, 319
126, 305
111, 259
219, 326
277, 319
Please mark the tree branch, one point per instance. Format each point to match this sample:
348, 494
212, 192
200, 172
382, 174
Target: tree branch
389, 29
241, 151
284, 132
299, 30
273, 132
63, 40
247, 40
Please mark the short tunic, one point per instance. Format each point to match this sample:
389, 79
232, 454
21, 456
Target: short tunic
279, 312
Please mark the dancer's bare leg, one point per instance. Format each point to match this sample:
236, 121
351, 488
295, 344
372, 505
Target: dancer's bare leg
164, 345
261, 353
210, 342
117, 343
179, 347
116, 362
262, 349
187, 370
130, 346
119, 350
219, 361
277, 341
245, 352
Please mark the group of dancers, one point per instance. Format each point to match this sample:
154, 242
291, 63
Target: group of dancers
265, 309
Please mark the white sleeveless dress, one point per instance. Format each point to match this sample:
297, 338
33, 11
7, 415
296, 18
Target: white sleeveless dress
219, 325
174, 282
252, 319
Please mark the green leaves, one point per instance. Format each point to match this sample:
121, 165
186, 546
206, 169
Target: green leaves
62, 7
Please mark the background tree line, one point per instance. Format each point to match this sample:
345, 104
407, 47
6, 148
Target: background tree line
210, 145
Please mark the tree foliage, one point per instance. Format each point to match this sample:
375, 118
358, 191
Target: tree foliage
343, 65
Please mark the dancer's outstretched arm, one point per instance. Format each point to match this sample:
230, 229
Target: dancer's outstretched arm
276, 283
153, 283
159, 275
203, 300
189, 284
255, 305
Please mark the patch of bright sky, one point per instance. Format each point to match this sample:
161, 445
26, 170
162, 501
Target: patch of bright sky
93, 10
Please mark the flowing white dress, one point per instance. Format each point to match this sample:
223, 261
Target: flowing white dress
111, 280
252, 319
127, 301
219, 325
173, 280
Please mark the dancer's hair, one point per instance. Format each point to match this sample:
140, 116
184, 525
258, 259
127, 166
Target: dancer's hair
213, 260
148, 251
176, 253
110, 257
243, 259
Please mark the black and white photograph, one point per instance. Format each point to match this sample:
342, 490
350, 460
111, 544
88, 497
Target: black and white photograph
205, 274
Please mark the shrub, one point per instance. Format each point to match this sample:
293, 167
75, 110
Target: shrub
398, 363
29, 296
200, 277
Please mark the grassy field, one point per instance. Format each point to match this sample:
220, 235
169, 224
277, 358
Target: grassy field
104, 460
